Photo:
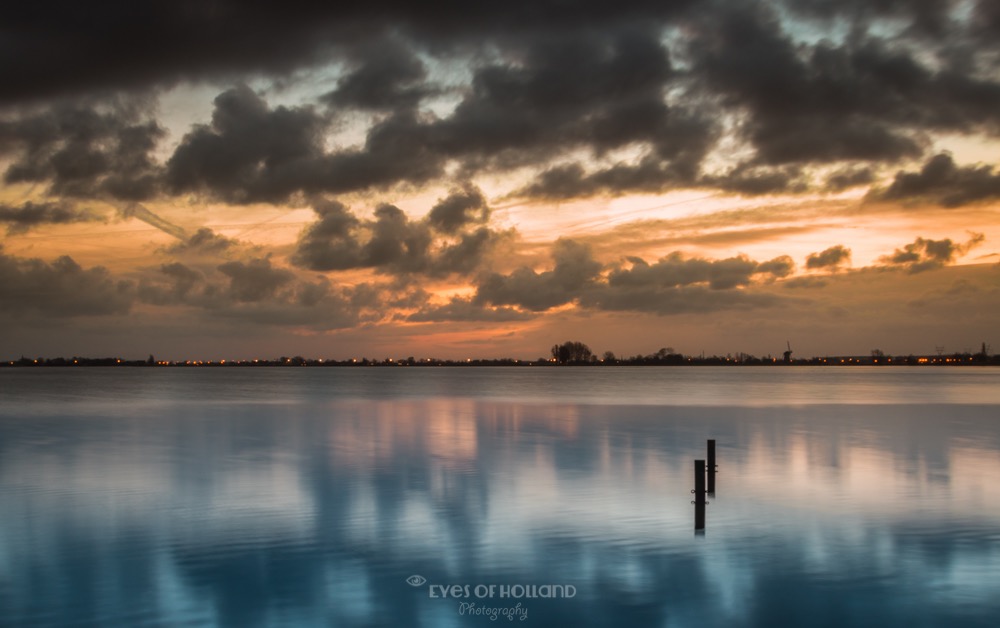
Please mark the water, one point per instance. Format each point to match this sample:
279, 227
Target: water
308, 496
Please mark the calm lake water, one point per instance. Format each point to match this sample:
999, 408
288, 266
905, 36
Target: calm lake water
549, 496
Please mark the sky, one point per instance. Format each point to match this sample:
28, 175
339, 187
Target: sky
239, 180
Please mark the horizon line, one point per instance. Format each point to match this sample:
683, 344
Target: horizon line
674, 359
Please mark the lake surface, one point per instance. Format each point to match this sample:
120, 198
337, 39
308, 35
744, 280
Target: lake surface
474, 496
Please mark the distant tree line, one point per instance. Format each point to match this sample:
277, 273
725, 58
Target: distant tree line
567, 353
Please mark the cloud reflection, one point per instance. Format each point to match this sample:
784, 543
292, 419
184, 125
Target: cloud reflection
316, 512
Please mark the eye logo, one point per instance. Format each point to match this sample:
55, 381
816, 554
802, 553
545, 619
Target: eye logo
415, 580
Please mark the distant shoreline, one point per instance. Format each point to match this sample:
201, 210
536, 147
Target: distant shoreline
675, 360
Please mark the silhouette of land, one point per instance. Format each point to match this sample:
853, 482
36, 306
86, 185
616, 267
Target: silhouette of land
566, 354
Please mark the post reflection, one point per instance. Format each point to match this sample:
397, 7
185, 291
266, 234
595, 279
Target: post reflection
316, 513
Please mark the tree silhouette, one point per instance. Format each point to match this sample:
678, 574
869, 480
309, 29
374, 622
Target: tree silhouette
571, 352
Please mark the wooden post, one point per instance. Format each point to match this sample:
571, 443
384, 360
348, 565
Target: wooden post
699, 482
699, 497
711, 466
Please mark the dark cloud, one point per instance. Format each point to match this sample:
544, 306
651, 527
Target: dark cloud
255, 280
453, 238
592, 89
940, 180
833, 257
675, 285
849, 177
318, 305
675, 270
258, 292
547, 83
249, 152
395, 241
464, 310
175, 283
388, 75
101, 150
21, 218
781, 266
460, 208
599, 90
575, 270
562, 81
746, 55
752, 180
598, 99
926, 254
330, 242
398, 149
987, 20
204, 240
560, 182
649, 175
925, 17
862, 99
61, 288
252, 153
822, 139
464, 255
65, 47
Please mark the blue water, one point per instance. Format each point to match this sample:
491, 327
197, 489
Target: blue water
308, 496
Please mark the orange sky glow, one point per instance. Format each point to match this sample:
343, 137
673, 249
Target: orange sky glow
712, 182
